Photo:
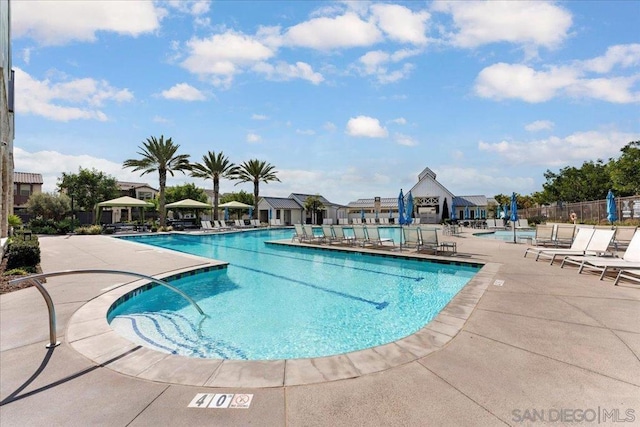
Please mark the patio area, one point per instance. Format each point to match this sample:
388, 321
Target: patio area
522, 339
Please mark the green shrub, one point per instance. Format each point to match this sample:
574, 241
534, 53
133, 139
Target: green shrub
89, 229
24, 271
14, 220
23, 253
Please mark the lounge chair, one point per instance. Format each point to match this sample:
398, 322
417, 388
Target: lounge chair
328, 234
206, 225
544, 235
310, 235
565, 234
578, 247
630, 259
633, 275
220, 226
375, 239
338, 232
412, 237
360, 235
523, 223
429, 239
299, 234
623, 237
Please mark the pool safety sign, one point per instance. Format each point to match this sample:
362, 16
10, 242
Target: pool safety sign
221, 401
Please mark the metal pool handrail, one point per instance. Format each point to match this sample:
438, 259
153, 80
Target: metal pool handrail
53, 342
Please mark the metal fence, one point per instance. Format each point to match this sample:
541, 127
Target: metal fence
628, 209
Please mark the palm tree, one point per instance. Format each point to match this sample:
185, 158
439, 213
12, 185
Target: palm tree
255, 171
214, 167
159, 155
313, 204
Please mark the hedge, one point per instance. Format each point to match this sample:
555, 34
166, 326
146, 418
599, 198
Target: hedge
23, 253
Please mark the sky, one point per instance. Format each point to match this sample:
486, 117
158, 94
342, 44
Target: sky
346, 99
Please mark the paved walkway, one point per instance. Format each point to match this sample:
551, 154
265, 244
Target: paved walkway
547, 339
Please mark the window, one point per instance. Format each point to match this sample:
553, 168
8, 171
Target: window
25, 189
145, 195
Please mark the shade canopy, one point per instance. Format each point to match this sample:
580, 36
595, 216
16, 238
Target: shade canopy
188, 204
125, 202
234, 204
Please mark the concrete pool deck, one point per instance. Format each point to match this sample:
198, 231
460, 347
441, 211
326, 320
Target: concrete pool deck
546, 339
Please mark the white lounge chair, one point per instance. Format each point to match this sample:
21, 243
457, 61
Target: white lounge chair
623, 237
374, 237
633, 275
206, 225
412, 237
565, 234
630, 259
327, 233
360, 235
523, 223
578, 247
338, 232
544, 235
299, 234
310, 235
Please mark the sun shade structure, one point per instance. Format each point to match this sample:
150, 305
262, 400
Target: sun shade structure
235, 205
125, 202
188, 204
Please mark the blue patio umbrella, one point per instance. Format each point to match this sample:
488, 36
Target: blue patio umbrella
226, 214
453, 210
401, 219
505, 211
409, 217
477, 212
466, 212
390, 213
362, 214
250, 212
611, 207
376, 215
514, 214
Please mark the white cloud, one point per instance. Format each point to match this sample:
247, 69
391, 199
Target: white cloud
326, 33
539, 125
183, 92
517, 81
401, 24
399, 121
329, 126
282, 71
529, 23
376, 63
556, 151
160, 119
364, 126
469, 180
253, 137
221, 56
193, 7
307, 132
259, 117
406, 140
66, 100
620, 55
57, 23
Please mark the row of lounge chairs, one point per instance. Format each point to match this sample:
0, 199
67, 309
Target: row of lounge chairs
590, 251
217, 225
370, 221
413, 237
563, 235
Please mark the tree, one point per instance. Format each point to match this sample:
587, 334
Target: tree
625, 172
49, 206
241, 196
88, 187
589, 182
214, 167
313, 204
185, 191
159, 155
256, 171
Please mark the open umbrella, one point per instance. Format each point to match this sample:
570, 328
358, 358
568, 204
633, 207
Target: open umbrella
409, 217
514, 214
611, 207
123, 202
188, 204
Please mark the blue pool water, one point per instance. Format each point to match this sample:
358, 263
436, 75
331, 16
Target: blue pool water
279, 302
506, 235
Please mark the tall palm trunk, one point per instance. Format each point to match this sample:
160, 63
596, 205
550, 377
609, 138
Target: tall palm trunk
216, 191
256, 191
161, 202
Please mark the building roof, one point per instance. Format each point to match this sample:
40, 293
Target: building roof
385, 202
282, 203
126, 185
27, 178
470, 201
300, 198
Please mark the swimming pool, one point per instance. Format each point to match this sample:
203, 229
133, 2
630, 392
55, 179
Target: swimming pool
280, 302
507, 235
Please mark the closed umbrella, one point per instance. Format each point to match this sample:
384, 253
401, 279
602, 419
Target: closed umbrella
454, 216
251, 212
466, 212
401, 219
477, 212
409, 216
226, 214
611, 207
505, 209
362, 214
514, 214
